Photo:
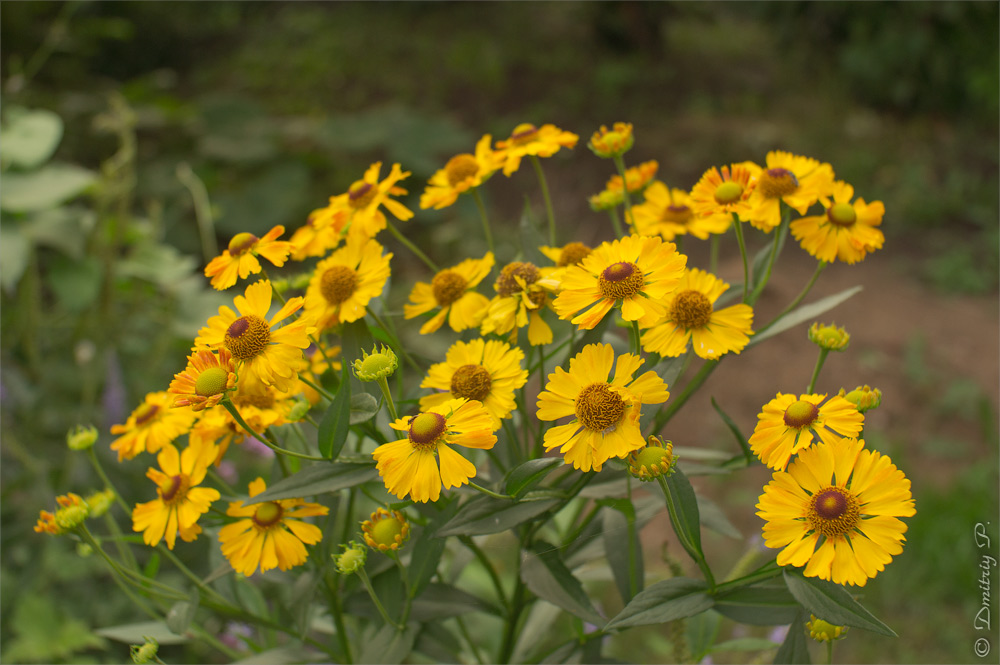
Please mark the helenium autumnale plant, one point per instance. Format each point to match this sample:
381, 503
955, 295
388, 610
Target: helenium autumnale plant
362, 499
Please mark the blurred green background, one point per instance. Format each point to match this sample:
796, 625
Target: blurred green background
274, 107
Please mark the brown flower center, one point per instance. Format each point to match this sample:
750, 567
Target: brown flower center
777, 182
460, 168
361, 194
507, 283
247, 337
145, 413
833, 512
211, 382
842, 214
801, 414
728, 192
338, 283
426, 429
471, 382
524, 133
599, 408
241, 243
174, 489
448, 286
573, 253
621, 280
691, 309
268, 514
676, 214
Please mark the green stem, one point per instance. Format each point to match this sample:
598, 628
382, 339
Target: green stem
516, 606
487, 492
264, 438
338, 621
468, 638
798, 298
548, 200
482, 215
481, 556
829, 652
743, 253
409, 245
318, 388
202, 210
620, 165
823, 353
616, 222
713, 257
383, 384
636, 339
92, 456
633, 568
663, 417
765, 572
378, 604
779, 235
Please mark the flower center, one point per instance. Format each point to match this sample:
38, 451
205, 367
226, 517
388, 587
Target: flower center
145, 413
621, 280
677, 214
834, 512
471, 382
524, 133
777, 182
691, 309
241, 243
385, 531
599, 408
268, 514
460, 168
360, 194
652, 457
448, 286
801, 414
537, 298
842, 214
338, 283
426, 429
174, 489
573, 253
211, 382
507, 284
247, 337
728, 192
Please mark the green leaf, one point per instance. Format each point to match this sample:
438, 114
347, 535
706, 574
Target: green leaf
387, 646
804, 313
29, 137
676, 598
743, 644
45, 188
44, 634
795, 649
545, 574
833, 603
64, 228
76, 284
701, 631
182, 613
135, 633
759, 605
427, 551
317, 479
364, 406
616, 546
284, 655
336, 422
685, 517
484, 514
740, 439
523, 477
15, 253
441, 601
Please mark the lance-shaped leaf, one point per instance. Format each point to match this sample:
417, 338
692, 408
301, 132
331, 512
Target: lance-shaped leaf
804, 313
317, 479
676, 598
336, 422
364, 406
545, 574
621, 544
833, 603
484, 514
795, 649
759, 605
684, 514
523, 477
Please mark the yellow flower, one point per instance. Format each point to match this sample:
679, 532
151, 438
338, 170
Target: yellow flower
526, 139
846, 231
605, 414
461, 174
241, 257
385, 530
798, 181
270, 356
522, 294
454, 291
485, 371
151, 426
637, 178
344, 283
180, 501
323, 230
613, 142
270, 534
726, 190
408, 466
668, 212
570, 254
691, 316
638, 271
365, 197
786, 426
72, 511
835, 511
205, 380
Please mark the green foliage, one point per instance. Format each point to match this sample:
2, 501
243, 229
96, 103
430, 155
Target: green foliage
43, 634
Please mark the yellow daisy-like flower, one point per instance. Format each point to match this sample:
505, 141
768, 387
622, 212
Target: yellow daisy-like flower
605, 414
241, 257
798, 181
151, 426
667, 212
454, 291
344, 283
846, 231
637, 271
613, 142
408, 466
270, 534
323, 230
725, 190
522, 295
786, 426
692, 317
260, 407
570, 254
836, 511
205, 380
365, 197
180, 502
637, 179
526, 139
481, 370
270, 355
461, 174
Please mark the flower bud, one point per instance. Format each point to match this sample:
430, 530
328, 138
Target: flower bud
829, 337
864, 397
81, 437
144, 653
100, 502
654, 460
385, 530
379, 364
823, 631
613, 142
351, 559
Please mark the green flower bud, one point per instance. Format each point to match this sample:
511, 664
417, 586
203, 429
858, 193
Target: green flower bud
352, 558
81, 437
379, 364
829, 337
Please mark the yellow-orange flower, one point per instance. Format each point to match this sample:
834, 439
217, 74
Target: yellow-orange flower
846, 231
344, 283
523, 292
526, 139
461, 174
240, 258
205, 380
151, 426
725, 190
613, 142
365, 197
453, 290
786, 426
323, 230
72, 511
798, 181
270, 534
668, 212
